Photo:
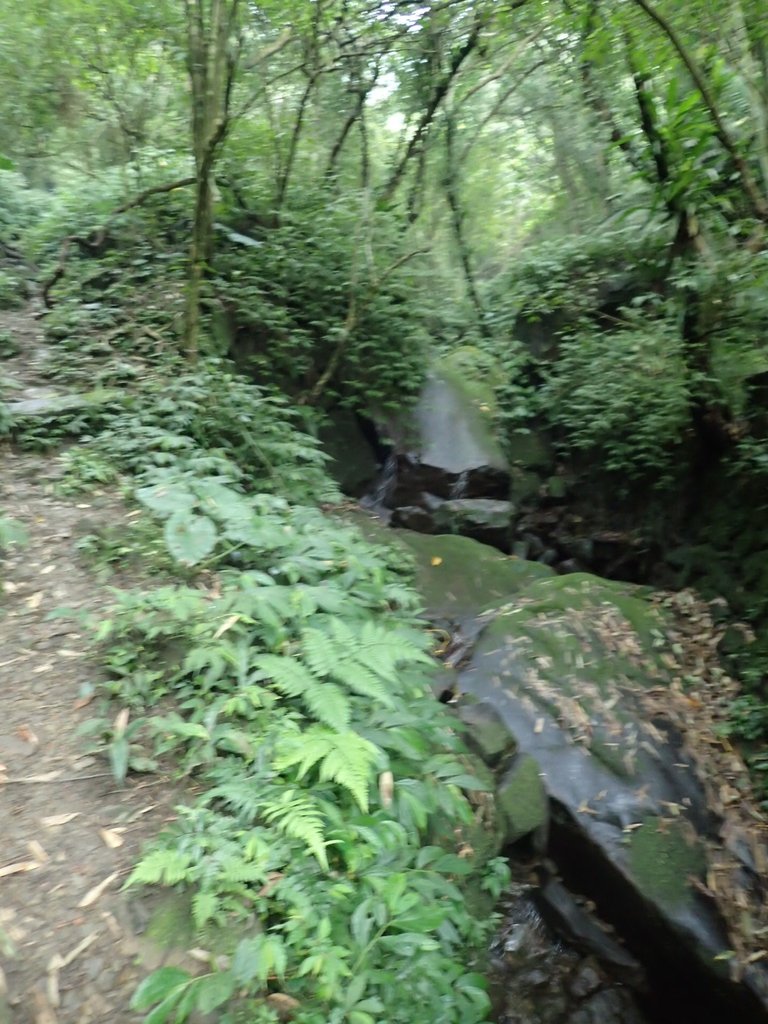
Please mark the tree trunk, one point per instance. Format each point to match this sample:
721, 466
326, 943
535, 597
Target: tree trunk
211, 61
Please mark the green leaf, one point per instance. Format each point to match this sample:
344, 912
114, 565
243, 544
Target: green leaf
361, 924
166, 499
119, 750
286, 674
160, 984
161, 1013
204, 907
213, 990
6, 164
224, 502
426, 919
190, 538
359, 1017
329, 705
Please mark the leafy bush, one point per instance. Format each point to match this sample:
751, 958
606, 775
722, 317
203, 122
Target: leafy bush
569, 275
12, 532
302, 702
289, 297
9, 347
213, 413
12, 291
20, 206
623, 399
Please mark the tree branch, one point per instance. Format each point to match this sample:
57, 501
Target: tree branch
757, 200
439, 94
95, 238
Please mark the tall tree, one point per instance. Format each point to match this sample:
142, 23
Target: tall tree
214, 46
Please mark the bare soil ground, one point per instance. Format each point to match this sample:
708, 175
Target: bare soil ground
70, 939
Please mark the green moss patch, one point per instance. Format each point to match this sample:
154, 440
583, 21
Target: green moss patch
664, 856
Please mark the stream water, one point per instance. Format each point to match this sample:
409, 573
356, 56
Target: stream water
537, 978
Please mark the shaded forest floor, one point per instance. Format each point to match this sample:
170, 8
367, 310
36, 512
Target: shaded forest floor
71, 941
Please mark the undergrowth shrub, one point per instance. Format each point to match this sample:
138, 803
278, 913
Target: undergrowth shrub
574, 276
289, 298
211, 412
300, 699
12, 290
623, 399
285, 668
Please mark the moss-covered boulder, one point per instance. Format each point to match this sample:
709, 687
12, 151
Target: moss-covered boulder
485, 519
522, 801
582, 674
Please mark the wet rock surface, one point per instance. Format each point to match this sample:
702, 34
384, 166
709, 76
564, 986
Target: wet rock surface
616, 699
537, 979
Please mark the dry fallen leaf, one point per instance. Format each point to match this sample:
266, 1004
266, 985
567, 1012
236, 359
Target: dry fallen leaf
121, 721
19, 868
226, 624
45, 777
111, 838
283, 1005
44, 1013
35, 600
37, 851
386, 788
93, 894
436, 561
58, 819
25, 733
79, 948
539, 727
47, 570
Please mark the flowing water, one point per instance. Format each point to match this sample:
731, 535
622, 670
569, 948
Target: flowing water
537, 979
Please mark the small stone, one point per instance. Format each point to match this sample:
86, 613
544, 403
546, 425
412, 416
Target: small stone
585, 981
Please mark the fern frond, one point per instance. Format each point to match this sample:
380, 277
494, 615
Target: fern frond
296, 815
205, 906
319, 651
361, 679
343, 757
329, 705
166, 866
285, 673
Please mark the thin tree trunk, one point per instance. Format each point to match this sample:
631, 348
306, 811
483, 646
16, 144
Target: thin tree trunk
211, 67
457, 221
438, 95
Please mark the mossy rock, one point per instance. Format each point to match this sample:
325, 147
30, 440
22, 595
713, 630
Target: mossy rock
352, 462
457, 577
460, 578
522, 800
486, 732
529, 450
665, 858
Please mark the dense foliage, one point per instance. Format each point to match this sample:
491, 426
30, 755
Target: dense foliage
241, 216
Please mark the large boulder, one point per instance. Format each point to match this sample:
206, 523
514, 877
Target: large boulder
485, 519
578, 670
353, 461
572, 690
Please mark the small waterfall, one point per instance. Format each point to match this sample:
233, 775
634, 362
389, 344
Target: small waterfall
384, 487
460, 486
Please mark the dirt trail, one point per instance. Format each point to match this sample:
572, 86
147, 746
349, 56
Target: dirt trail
69, 939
